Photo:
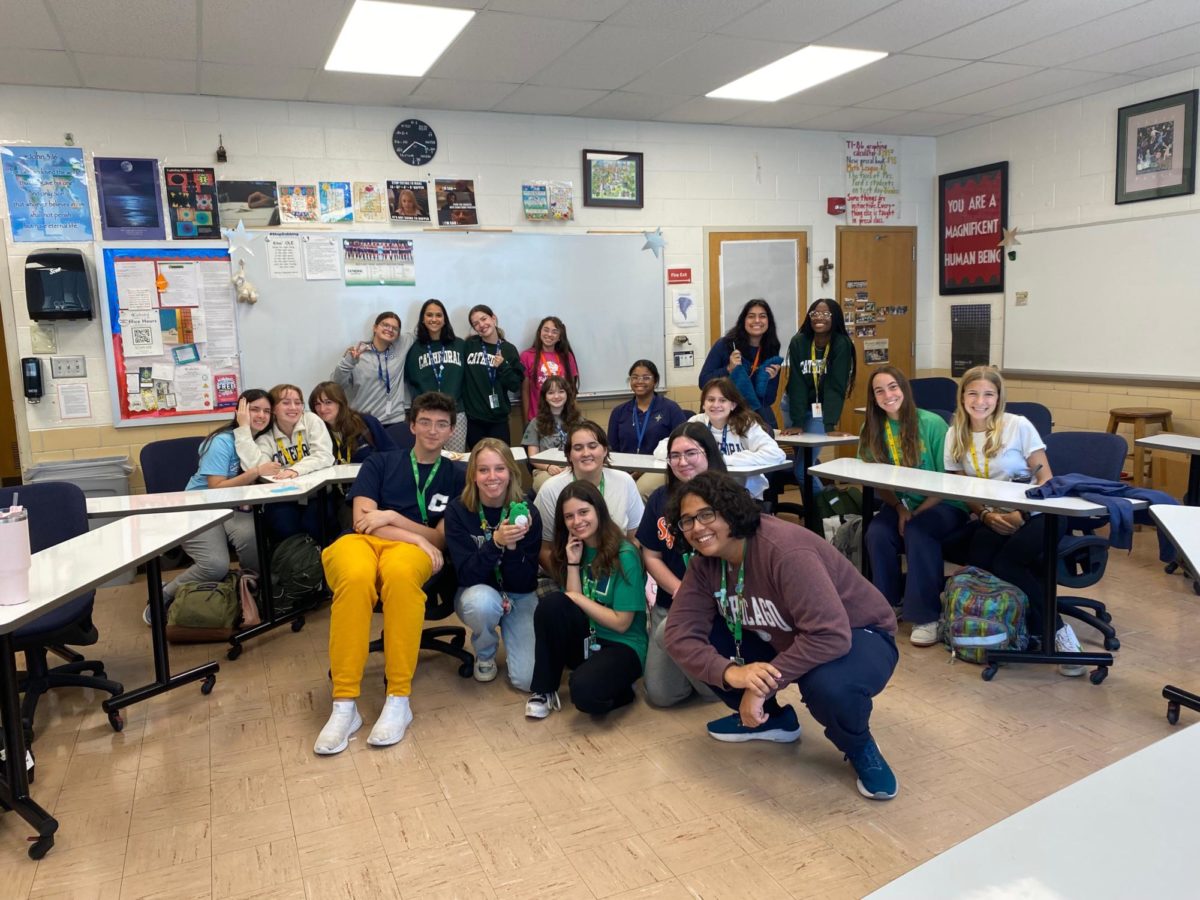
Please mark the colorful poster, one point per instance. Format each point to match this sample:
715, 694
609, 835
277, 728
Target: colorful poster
253, 203
875, 352
535, 198
872, 182
336, 205
456, 201
379, 261
47, 193
227, 390
298, 204
973, 206
130, 202
408, 201
562, 201
369, 202
192, 204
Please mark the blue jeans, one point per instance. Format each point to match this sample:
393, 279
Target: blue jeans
481, 610
922, 545
808, 425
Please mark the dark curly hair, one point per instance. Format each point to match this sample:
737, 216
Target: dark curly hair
725, 495
433, 401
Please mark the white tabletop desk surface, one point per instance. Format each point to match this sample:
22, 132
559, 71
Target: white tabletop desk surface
1167, 440
644, 462
952, 487
1125, 831
814, 440
1182, 525
75, 566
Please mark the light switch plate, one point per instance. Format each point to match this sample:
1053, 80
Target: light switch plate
68, 367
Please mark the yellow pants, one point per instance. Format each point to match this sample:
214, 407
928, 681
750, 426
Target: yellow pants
362, 569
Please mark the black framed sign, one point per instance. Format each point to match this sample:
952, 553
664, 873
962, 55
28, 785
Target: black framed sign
1156, 148
612, 178
973, 213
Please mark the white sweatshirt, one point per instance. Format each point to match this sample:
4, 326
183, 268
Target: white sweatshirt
309, 437
754, 448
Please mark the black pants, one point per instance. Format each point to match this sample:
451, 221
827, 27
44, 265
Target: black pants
1018, 559
598, 684
477, 430
837, 693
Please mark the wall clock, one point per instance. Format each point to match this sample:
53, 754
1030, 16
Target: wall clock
414, 142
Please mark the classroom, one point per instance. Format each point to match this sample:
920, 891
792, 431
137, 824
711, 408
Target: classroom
566, 159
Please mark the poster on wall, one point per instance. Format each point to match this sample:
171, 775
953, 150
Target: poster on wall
379, 261
253, 203
298, 204
369, 202
192, 203
548, 200
336, 205
456, 201
47, 193
130, 202
872, 183
973, 213
408, 201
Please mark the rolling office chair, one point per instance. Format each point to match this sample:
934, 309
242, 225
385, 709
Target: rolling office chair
1036, 413
166, 467
57, 512
934, 393
401, 435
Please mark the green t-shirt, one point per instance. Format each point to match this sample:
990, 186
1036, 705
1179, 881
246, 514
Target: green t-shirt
623, 591
931, 431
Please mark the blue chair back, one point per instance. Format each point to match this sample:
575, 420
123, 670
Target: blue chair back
401, 435
168, 465
934, 393
946, 414
1035, 413
1095, 454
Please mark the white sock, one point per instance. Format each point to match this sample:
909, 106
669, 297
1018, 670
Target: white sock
393, 722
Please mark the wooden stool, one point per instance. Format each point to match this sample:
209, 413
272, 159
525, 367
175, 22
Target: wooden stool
1138, 417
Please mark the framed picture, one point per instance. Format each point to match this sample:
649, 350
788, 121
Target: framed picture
612, 178
973, 213
1156, 148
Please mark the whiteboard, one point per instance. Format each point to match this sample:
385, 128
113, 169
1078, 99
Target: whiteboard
607, 290
1114, 299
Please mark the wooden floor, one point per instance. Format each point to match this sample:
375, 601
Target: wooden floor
222, 796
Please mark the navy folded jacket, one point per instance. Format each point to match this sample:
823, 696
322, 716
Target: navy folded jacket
1109, 494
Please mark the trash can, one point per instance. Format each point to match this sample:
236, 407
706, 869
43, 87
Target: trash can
105, 476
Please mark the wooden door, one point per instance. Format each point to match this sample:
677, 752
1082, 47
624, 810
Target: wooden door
876, 283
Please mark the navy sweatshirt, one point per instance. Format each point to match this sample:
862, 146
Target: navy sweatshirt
475, 556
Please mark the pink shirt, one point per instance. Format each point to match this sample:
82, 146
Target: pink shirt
552, 364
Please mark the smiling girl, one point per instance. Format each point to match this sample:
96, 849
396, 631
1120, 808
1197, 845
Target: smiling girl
549, 354
435, 363
373, 371
748, 354
493, 369
548, 429
354, 435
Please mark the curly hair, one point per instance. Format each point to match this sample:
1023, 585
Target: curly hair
545, 416
730, 500
433, 401
608, 534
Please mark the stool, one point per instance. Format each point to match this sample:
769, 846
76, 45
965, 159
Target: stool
1138, 417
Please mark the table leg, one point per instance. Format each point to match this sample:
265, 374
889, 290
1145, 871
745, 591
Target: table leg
14, 790
1192, 497
868, 512
811, 519
1139, 453
266, 596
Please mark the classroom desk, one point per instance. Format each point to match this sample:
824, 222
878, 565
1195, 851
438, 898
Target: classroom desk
644, 462
59, 574
809, 445
1180, 443
1124, 831
1182, 525
1008, 494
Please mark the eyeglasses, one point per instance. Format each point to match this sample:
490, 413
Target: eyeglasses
705, 517
690, 455
641, 378
387, 326
820, 315
436, 424
325, 401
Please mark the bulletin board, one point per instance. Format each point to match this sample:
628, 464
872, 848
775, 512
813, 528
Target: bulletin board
171, 333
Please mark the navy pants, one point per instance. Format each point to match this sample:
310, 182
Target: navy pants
477, 430
286, 519
920, 592
1018, 559
837, 693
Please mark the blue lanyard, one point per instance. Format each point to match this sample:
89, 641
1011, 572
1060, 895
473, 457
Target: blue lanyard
440, 368
640, 430
385, 371
724, 439
490, 368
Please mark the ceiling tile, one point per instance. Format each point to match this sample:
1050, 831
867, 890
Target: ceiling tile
787, 20
448, 93
626, 105
271, 32
908, 22
966, 80
583, 10
889, 74
694, 15
351, 87
264, 82
124, 73
949, 127
785, 114
1083, 90
166, 29
1031, 86
507, 48
609, 57
703, 110
917, 122
1146, 52
27, 24
51, 68
1166, 67
705, 66
849, 119
548, 101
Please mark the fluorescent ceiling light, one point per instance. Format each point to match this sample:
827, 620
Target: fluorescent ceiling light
395, 38
796, 72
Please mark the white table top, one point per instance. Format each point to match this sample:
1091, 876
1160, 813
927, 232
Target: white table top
643, 462
814, 440
73, 567
952, 487
1182, 525
1125, 831
1167, 440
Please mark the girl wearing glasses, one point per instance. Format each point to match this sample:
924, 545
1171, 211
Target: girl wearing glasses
548, 429
767, 603
596, 625
372, 372
549, 354
691, 450
748, 354
821, 359
435, 363
493, 369
640, 424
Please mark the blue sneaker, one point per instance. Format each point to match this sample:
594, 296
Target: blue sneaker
876, 780
782, 728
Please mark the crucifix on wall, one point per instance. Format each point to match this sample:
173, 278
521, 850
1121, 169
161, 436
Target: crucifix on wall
825, 268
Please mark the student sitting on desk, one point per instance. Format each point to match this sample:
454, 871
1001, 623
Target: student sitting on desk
435, 363
987, 442
493, 368
748, 354
395, 550
899, 433
587, 452
596, 625
220, 468
550, 354
373, 371
640, 424
737, 431
766, 603
548, 429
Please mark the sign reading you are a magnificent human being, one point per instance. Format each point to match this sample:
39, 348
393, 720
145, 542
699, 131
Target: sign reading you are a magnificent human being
973, 215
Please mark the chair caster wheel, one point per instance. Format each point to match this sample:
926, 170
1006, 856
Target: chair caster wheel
116, 720
1170, 568
1099, 675
1105, 617
1112, 644
207, 685
234, 652
988, 673
41, 846
466, 670
1173, 712
297, 624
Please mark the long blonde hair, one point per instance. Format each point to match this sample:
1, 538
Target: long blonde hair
470, 494
960, 426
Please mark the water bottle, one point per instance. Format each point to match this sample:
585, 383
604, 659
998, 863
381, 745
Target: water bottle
14, 556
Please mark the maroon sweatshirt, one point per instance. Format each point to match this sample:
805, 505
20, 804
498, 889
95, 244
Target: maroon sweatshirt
802, 596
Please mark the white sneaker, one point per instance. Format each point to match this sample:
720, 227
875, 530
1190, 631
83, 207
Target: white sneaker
343, 722
1065, 641
538, 706
924, 635
485, 669
392, 723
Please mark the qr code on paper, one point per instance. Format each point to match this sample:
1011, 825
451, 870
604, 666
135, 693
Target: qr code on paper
141, 336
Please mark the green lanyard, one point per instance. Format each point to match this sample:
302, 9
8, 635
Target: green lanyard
487, 536
589, 591
732, 608
422, 488
601, 487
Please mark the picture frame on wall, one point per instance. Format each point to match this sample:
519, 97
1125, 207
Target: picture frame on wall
612, 178
972, 217
1156, 148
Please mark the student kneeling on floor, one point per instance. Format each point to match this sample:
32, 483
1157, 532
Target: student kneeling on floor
788, 607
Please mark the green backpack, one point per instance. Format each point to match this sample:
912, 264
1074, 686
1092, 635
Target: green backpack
204, 611
297, 577
840, 502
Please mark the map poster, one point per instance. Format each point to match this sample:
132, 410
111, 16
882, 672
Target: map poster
47, 193
129, 197
192, 203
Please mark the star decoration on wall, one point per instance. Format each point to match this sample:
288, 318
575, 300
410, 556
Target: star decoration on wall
239, 238
654, 242
1010, 239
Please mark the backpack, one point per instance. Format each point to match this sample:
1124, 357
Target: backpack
204, 611
847, 540
297, 576
840, 502
248, 599
980, 613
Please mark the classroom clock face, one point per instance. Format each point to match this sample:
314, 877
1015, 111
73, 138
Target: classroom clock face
414, 142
